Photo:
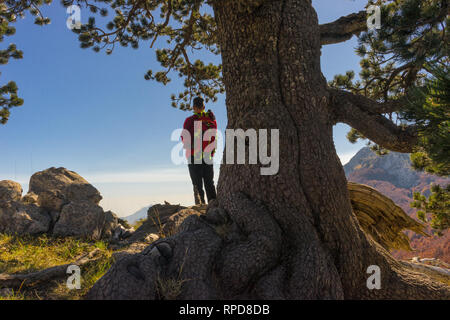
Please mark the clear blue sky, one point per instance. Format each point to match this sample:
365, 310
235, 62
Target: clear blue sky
96, 115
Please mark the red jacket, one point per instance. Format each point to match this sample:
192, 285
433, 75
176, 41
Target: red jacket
208, 121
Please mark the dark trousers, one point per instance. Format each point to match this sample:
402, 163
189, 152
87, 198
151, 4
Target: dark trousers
202, 173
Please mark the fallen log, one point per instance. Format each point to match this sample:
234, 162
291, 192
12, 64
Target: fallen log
52, 273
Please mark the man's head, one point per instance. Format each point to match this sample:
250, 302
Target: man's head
198, 104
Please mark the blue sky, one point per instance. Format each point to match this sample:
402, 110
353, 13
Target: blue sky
96, 115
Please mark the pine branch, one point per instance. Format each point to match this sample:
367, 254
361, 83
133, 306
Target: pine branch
368, 104
365, 116
344, 28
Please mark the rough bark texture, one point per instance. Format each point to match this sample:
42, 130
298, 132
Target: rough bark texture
363, 114
344, 28
287, 236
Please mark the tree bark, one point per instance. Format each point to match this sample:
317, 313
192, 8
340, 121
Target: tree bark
344, 28
271, 68
361, 114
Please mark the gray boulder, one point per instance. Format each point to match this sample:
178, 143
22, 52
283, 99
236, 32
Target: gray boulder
174, 221
56, 187
157, 216
111, 223
10, 190
59, 202
17, 217
113, 228
82, 219
121, 233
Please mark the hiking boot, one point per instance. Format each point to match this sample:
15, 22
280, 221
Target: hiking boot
198, 197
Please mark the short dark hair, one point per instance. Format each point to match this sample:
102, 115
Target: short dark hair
199, 102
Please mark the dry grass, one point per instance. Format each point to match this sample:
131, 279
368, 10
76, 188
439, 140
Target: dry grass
170, 288
156, 219
25, 254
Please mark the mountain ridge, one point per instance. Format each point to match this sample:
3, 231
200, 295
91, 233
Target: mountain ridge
138, 215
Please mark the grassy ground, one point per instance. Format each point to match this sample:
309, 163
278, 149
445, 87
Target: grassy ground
30, 254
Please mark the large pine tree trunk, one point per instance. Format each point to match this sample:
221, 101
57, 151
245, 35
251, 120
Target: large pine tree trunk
271, 61
292, 235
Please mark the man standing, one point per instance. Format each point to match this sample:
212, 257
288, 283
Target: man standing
200, 148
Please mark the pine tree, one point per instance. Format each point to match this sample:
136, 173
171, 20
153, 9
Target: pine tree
292, 235
437, 205
10, 11
398, 58
409, 58
430, 110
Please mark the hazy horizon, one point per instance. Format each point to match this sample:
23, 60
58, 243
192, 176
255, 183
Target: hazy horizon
124, 193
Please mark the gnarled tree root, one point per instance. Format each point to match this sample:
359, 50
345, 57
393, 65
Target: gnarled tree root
237, 250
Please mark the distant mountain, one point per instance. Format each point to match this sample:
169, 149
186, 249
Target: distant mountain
393, 176
394, 167
138, 215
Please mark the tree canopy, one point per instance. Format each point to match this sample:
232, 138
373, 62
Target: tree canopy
396, 60
10, 11
437, 205
399, 61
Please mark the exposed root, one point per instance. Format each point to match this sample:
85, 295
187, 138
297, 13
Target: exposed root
245, 261
238, 251
381, 218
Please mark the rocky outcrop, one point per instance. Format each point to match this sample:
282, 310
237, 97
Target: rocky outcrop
17, 217
163, 220
80, 219
160, 213
20, 217
56, 187
110, 224
59, 202
121, 233
394, 167
174, 222
157, 216
10, 190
